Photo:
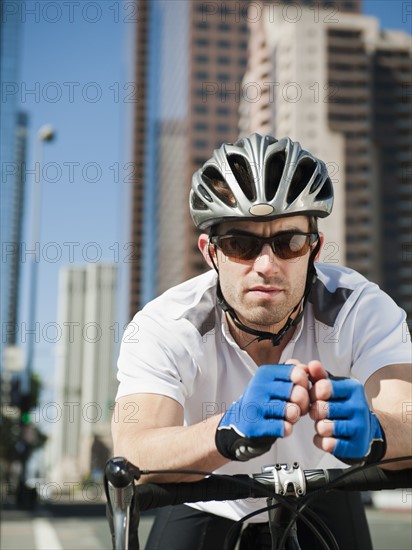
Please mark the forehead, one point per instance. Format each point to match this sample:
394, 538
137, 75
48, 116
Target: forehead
300, 223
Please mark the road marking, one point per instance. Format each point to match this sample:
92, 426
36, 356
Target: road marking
45, 536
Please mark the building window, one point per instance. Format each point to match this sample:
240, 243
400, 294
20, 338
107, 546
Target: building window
200, 109
223, 128
201, 126
202, 75
201, 59
223, 44
202, 42
201, 144
223, 60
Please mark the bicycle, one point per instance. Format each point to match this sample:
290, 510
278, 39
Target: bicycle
288, 490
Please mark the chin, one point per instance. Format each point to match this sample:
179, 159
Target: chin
261, 322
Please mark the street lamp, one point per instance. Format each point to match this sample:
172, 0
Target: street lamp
44, 134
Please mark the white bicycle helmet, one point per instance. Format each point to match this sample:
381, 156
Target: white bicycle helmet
260, 178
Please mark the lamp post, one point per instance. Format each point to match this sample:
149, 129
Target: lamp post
44, 134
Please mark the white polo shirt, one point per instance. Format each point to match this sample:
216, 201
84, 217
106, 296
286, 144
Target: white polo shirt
180, 346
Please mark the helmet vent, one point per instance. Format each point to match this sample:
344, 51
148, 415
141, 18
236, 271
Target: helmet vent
326, 191
275, 166
197, 203
243, 174
302, 175
204, 193
214, 180
316, 184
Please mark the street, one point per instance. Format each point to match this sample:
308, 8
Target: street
85, 528
70, 527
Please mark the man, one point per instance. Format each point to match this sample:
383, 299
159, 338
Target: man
264, 359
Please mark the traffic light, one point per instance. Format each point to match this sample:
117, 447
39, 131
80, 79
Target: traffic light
25, 406
25, 417
19, 399
15, 391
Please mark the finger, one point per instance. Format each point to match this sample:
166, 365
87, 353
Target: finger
292, 413
321, 390
300, 397
288, 429
316, 371
296, 362
278, 389
343, 428
293, 361
274, 409
278, 409
339, 410
325, 428
327, 444
299, 375
345, 387
319, 410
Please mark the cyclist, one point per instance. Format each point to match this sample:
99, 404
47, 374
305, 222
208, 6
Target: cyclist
211, 383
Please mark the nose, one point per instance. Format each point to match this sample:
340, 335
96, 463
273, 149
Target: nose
267, 262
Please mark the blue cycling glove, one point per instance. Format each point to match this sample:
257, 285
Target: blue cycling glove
254, 422
360, 437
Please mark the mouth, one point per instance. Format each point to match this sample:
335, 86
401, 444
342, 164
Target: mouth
267, 291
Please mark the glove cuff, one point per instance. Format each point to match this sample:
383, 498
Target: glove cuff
378, 445
232, 445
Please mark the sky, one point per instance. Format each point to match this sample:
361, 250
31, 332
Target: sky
76, 74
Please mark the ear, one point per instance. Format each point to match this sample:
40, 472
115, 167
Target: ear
205, 248
322, 241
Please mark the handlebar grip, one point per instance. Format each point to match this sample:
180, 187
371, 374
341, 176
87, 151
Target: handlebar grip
120, 472
372, 479
152, 495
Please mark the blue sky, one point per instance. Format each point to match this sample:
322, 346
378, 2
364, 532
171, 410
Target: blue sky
76, 75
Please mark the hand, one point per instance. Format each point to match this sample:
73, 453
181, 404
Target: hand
345, 426
274, 400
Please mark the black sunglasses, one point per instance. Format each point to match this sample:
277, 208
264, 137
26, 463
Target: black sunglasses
286, 245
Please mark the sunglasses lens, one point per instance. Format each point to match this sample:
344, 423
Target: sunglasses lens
240, 247
244, 247
291, 246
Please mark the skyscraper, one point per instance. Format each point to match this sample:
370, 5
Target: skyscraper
12, 153
190, 61
85, 368
392, 118
340, 87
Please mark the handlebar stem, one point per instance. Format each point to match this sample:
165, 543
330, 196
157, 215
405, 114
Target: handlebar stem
286, 480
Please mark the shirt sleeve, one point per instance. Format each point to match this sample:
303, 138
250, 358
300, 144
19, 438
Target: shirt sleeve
380, 333
151, 361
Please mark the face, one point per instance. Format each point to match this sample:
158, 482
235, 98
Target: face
263, 291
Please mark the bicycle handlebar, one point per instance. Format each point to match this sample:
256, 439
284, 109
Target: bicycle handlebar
121, 490
233, 487
276, 479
